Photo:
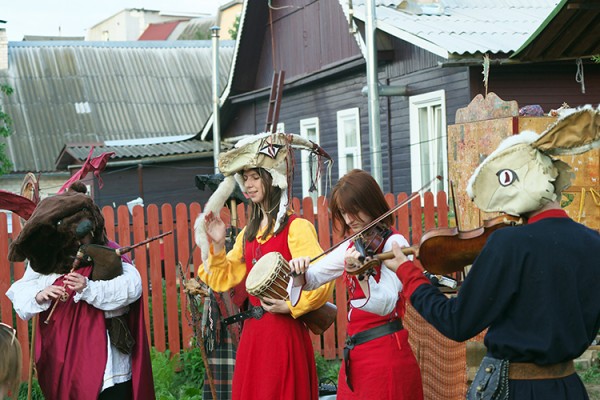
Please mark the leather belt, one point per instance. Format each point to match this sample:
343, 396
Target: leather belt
373, 333
253, 312
533, 371
366, 336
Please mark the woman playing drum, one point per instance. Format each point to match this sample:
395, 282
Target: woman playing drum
378, 361
275, 358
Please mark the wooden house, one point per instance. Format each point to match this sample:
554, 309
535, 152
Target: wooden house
429, 63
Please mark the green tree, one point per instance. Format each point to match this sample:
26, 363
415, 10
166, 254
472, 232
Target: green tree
596, 58
203, 34
233, 31
5, 131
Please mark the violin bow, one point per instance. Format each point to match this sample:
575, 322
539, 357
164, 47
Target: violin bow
456, 219
378, 219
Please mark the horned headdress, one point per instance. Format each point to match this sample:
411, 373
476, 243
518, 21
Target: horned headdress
273, 152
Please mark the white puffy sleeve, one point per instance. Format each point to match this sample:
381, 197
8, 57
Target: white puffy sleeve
22, 293
114, 293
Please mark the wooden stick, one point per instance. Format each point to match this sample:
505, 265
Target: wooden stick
198, 333
126, 249
34, 322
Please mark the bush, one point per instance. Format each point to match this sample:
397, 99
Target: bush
36, 391
590, 375
178, 377
327, 370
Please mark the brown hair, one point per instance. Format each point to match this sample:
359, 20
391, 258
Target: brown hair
354, 192
10, 362
270, 204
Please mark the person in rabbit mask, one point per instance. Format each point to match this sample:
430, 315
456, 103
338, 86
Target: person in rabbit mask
534, 286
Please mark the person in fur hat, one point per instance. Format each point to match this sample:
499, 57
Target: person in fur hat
275, 356
91, 341
534, 286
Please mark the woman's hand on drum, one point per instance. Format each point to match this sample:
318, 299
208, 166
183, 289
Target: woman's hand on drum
275, 306
215, 230
299, 265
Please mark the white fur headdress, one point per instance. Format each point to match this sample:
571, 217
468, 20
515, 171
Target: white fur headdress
521, 175
270, 151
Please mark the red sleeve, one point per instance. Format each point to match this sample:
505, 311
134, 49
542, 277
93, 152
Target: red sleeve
411, 277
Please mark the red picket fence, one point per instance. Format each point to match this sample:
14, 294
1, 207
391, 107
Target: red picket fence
167, 320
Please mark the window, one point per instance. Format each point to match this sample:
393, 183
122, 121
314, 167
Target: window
309, 129
428, 150
348, 130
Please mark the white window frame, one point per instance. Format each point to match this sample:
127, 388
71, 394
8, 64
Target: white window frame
344, 150
305, 125
435, 103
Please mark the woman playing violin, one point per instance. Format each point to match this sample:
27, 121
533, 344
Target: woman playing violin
378, 361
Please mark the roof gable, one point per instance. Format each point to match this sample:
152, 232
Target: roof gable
571, 31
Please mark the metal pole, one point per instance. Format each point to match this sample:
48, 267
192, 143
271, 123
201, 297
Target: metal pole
215, 93
373, 93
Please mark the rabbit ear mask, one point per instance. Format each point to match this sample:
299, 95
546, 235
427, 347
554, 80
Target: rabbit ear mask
521, 176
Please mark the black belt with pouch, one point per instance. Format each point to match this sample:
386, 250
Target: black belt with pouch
253, 312
491, 380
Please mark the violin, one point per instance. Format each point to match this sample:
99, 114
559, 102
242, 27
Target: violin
441, 251
368, 244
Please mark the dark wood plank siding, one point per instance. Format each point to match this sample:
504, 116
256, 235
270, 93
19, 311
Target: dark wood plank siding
420, 71
307, 37
323, 101
548, 85
410, 58
455, 84
243, 121
172, 182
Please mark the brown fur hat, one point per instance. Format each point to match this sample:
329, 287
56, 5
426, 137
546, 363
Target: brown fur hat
49, 239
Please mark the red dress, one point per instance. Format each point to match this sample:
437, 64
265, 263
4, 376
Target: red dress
275, 358
383, 368
71, 351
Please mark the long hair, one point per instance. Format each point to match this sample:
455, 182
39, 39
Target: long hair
354, 192
10, 362
269, 205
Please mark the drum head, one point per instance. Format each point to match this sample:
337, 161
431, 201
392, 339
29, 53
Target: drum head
264, 272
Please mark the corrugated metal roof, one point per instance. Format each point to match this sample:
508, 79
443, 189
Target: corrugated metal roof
86, 92
454, 28
76, 154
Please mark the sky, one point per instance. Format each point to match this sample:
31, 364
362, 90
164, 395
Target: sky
74, 17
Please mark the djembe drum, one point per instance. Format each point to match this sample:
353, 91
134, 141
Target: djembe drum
269, 277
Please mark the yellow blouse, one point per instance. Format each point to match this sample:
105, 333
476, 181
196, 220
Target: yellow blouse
227, 270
